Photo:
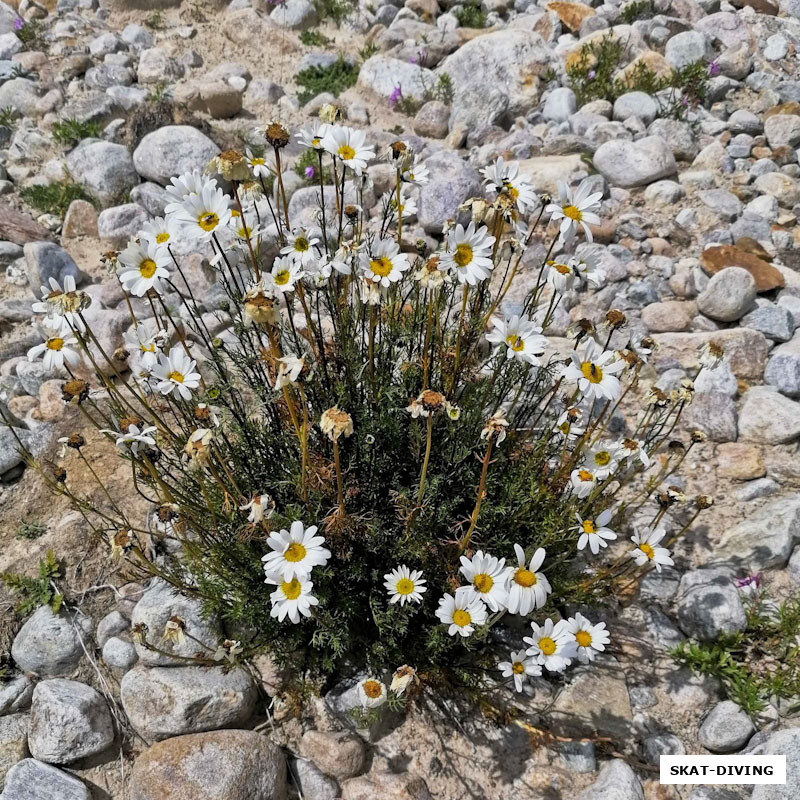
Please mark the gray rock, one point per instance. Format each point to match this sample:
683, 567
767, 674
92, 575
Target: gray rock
127, 97
10, 45
776, 48
730, 293
9, 252
726, 729
172, 150
432, 119
560, 105
155, 66
764, 540
221, 765
137, 36
713, 793
15, 694
20, 94
726, 204
263, 92
679, 136
783, 368
33, 780
714, 414
168, 701
13, 741
776, 323
768, 417
49, 645
338, 754
119, 654
708, 604
150, 196
105, 43
616, 781
46, 260
311, 781
785, 742
744, 121
687, 47
112, 624
578, 756
104, 76
118, 224
160, 602
638, 163
383, 74
69, 721
718, 380
296, 14
635, 104
782, 130
104, 169
662, 744
451, 182
664, 193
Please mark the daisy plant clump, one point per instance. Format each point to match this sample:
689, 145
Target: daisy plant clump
356, 449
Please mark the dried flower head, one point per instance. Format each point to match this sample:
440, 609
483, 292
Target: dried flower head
74, 391
174, 630
402, 677
231, 164
495, 428
121, 542
335, 423
260, 306
276, 135
330, 113
703, 501
198, 447
615, 319
698, 437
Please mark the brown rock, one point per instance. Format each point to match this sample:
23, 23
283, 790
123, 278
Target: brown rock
571, 14
80, 220
386, 786
792, 107
719, 257
340, 755
605, 232
669, 315
760, 6
51, 403
650, 59
740, 462
21, 228
752, 246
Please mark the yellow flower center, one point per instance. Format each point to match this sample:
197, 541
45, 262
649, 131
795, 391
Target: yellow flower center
147, 268
463, 254
591, 372
372, 689
647, 550
562, 268
381, 266
148, 348
518, 668
291, 590
583, 638
515, 343
573, 212
257, 162
282, 277
162, 237
346, 152
585, 475
295, 552
461, 617
524, 577
602, 458
208, 221
315, 141
547, 645
301, 244
512, 191
483, 582
175, 376
404, 586
56, 343
588, 526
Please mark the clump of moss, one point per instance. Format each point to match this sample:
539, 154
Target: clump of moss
70, 132
53, 198
335, 79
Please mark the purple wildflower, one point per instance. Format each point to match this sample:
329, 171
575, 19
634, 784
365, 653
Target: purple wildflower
591, 74
18, 24
713, 68
749, 585
309, 172
396, 95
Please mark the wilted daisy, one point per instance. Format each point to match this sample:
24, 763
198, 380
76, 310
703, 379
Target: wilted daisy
260, 305
176, 373
228, 650
294, 553
495, 428
202, 215
231, 165
404, 585
133, 437
415, 172
146, 340
468, 254
462, 613
261, 507
560, 276
504, 175
711, 355
56, 350
197, 449
349, 146
383, 263
291, 598
143, 267
589, 639
284, 275
588, 270
582, 481
594, 370
527, 587
631, 448
312, 134
595, 532
519, 666
371, 693
568, 423
289, 370
335, 423
300, 247
522, 339
576, 209
646, 548
552, 645
486, 578
401, 679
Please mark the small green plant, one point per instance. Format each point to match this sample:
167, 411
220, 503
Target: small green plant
638, 9
335, 11
761, 662
53, 198
196, 12
159, 93
368, 50
334, 79
308, 159
29, 32
155, 21
70, 132
39, 591
314, 39
470, 15
8, 117
30, 530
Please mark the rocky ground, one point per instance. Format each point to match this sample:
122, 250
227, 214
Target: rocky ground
701, 244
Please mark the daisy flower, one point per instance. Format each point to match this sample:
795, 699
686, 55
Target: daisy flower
258, 165
384, 263
595, 532
408, 205
527, 587
312, 134
461, 613
405, 585
159, 230
589, 639
62, 305
56, 350
184, 185
415, 173
349, 146
291, 599
176, 373
582, 481
594, 370
201, 214
300, 247
522, 339
519, 667
261, 507
631, 448
551, 645
588, 270
575, 209
294, 553
646, 549
284, 275
469, 253
567, 424
145, 341
143, 267
371, 693
338, 261
560, 276
133, 438
505, 175
486, 576
603, 458
289, 369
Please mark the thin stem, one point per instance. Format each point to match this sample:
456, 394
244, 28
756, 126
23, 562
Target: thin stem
426, 459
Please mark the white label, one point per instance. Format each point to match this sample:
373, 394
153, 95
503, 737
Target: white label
735, 770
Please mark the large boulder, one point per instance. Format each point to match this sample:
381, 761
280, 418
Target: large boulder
104, 169
783, 743
221, 765
172, 150
767, 417
383, 74
708, 604
629, 164
452, 181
